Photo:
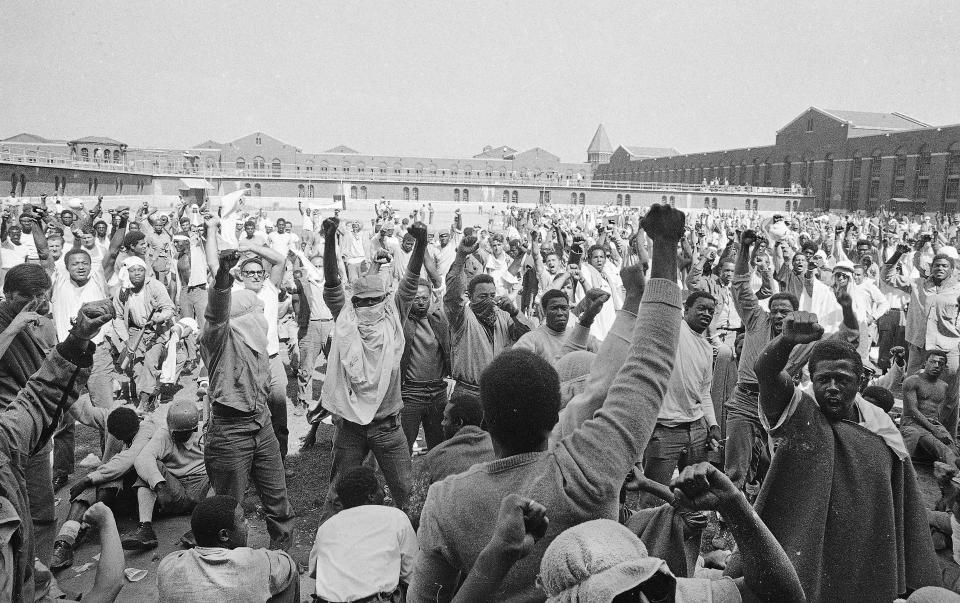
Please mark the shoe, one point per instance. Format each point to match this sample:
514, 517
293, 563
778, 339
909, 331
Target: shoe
59, 481
62, 555
141, 540
187, 540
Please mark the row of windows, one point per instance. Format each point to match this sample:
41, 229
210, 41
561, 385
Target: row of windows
259, 166
101, 156
575, 198
623, 200
459, 195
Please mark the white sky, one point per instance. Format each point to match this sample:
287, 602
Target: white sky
448, 77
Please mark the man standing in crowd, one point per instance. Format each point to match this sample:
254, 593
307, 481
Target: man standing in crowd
240, 442
362, 387
553, 338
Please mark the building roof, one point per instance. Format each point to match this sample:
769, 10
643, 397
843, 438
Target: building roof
876, 121
600, 142
24, 137
650, 152
208, 144
342, 149
495, 152
534, 154
99, 140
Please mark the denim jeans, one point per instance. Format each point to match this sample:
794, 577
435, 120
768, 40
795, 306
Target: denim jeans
238, 450
193, 304
389, 446
672, 446
311, 344
746, 443
423, 401
277, 401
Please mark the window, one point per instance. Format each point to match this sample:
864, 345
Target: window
456, 195
310, 191
89, 186
713, 203
56, 183
827, 191
353, 192
84, 154
922, 185
547, 196
810, 124
23, 185
899, 174
96, 185
363, 192
853, 195
787, 205
746, 204
785, 181
258, 139
626, 200
742, 174
275, 168
257, 191
96, 155
663, 199
583, 199
619, 199
241, 164
952, 191
756, 203
416, 194
246, 185
767, 174
259, 166
573, 198
506, 196
673, 202
755, 177
706, 202
301, 190
466, 196
116, 156
406, 193
514, 196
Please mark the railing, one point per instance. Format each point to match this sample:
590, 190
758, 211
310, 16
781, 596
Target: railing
162, 166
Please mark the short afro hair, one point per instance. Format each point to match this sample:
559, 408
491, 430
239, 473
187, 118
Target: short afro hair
943, 256
879, 396
467, 411
520, 394
123, 423
693, 297
211, 515
790, 297
355, 486
479, 280
132, 238
941, 353
75, 251
827, 350
552, 294
809, 247
30, 280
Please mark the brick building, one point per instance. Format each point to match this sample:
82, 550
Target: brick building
850, 160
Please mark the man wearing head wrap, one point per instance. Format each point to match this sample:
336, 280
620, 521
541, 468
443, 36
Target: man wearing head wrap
362, 387
143, 307
241, 443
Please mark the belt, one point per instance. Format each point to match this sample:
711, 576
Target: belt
468, 386
192, 287
222, 410
391, 596
431, 384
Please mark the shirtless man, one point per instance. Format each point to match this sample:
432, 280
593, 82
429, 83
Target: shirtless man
923, 397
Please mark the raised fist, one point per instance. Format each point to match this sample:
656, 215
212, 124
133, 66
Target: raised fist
593, 302
91, 317
329, 227
633, 278
468, 245
211, 221
748, 238
664, 223
418, 230
801, 327
383, 257
844, 299
903, 248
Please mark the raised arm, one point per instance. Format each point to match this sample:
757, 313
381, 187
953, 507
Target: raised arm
411, 278
776, 385
278, 262
744, 298
453, 298
116, 241
332, 287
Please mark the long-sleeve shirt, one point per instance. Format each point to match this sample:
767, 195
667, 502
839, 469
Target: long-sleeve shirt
133, 308
868, 301
687, 398
552, 345
726, 316
932, 315
181, 460
118, 458
579, 479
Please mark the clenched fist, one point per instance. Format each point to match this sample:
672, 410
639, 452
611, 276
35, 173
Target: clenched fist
801, 327
664, 223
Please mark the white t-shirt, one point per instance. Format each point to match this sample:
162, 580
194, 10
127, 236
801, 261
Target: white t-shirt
269, 295
67, 298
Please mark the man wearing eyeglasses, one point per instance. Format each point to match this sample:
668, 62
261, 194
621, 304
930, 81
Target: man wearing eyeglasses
362, 387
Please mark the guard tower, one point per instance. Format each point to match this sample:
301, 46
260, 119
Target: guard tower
599, 150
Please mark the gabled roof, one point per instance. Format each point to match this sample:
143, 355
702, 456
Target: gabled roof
600, 142
876, 121
208, 144
650, 152
24, 137
535, 153
99, 140
342, 149
495, 152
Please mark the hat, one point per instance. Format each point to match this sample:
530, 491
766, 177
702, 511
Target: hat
369, 285
595, 561
844, 266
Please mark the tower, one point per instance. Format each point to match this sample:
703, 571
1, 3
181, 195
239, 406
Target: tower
599, 150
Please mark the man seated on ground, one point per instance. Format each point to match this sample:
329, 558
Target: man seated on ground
366, 550
553, 339
222, 567
126, 436
465, 443
924, 396
841, 486
173, 477
602, 561
581, 477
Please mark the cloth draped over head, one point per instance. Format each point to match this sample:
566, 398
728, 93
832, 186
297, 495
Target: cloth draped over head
124, 273
247, 320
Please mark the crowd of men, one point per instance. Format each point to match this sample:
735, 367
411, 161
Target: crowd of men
739, 372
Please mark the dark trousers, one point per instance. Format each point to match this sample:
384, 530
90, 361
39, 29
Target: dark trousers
238, 450
277, 402
385, 439
423, 402
745, 452
670, 447
889, 334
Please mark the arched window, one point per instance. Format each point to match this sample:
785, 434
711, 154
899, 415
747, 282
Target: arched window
795, 204
84, 154
259, 166
89, 186
246, 185
673, 201
951, 194
755, 177
663, 199
310, 191
853, 194
456, 195
756, 204
506, 196
406, 193
922, 184
767, 174
416, 194
301, 190
96, 185
116, 156
619, 199
785, 181
56, 183
23, 185
96, 154
706, 202
583, 199
514, 196
742, 174
787, 205
827, 191
363, 192
713, 203
746, 204
257, 191
899, 173
874, 192
275, 168
573, 198
353, 192
241, 164
626, 200
466, 196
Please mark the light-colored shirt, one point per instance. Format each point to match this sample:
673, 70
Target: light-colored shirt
270, 297
213, 574
67, 298
362, 551
687, 398
549, 344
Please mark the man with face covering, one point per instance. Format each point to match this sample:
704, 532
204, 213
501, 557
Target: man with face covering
240, 441
142, 304
480, 327
362, 386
